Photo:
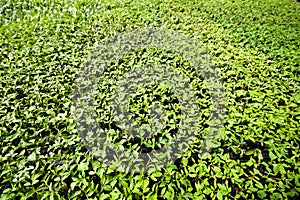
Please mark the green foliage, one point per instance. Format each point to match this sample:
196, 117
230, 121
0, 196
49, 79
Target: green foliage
254, 43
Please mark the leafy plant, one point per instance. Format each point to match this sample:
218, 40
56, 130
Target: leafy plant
253, 43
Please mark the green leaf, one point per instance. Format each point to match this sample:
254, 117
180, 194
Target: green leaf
32, 157
155, 175
219, 196
297, 180
261, 194
83, 166
272, 156
145, 185
72, 185
104, 196
259, 185
207, 191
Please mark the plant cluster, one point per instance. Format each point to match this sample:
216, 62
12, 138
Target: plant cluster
254, 43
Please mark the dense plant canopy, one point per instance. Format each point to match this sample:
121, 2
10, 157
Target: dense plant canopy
255, 45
